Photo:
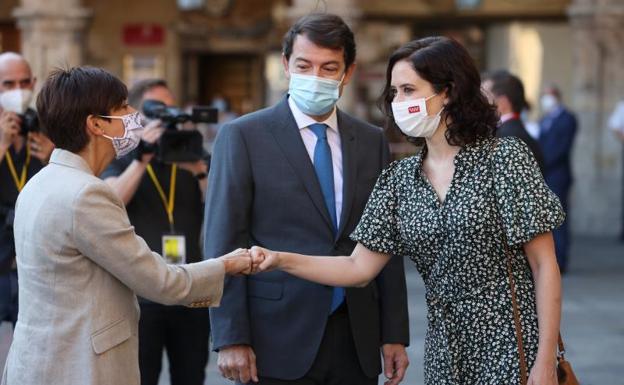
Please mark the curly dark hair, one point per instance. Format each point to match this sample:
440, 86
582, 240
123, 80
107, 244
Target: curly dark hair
447, 65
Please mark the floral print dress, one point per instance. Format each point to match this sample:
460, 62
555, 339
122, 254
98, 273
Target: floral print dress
457, 247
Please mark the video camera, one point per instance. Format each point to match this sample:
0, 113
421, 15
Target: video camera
30, 122
179, 145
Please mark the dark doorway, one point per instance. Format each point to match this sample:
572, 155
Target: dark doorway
238, 78
9, 37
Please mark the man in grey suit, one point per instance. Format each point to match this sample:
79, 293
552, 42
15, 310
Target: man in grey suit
296, 176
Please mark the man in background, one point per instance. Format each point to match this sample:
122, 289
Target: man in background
556, 138
616, 124
506, 91
24, 150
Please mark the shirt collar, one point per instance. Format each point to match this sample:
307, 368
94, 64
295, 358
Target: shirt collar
67, 158
305, 121
509, 116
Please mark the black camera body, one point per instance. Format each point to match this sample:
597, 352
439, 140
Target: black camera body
179, 145
30, 122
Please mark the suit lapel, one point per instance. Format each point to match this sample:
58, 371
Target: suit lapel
289, 140
348, 140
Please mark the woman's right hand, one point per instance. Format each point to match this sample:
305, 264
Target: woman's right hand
265, 259
237, 262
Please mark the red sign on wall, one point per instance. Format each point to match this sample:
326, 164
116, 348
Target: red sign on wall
143, 34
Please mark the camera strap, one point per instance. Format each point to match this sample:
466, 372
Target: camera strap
169, 203
21, 180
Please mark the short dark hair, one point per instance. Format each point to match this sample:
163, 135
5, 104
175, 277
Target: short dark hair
447, 65
69, 96
325, 30
138, 90
506, 84
554, 90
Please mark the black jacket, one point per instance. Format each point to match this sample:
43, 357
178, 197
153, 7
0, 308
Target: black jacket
515, 127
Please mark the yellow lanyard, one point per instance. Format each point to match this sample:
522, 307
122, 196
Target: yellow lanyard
169, 204
19, 181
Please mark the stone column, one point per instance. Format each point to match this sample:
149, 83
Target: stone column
598, 36
52, 33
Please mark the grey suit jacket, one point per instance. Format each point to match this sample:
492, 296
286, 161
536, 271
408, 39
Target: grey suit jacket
80, 264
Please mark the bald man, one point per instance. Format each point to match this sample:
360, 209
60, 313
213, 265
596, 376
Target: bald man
23, 152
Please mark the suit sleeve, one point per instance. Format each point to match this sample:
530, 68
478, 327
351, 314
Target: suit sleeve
227, 221
393, 289
103, 233
557, 148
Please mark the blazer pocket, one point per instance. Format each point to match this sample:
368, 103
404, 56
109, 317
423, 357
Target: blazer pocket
265, 289
110, 336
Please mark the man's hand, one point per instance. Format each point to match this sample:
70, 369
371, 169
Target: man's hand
151, 133
41, 146
395, 363
238, 363
9, 128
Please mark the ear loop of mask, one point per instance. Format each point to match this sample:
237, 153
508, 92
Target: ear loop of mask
342, 78
114, 117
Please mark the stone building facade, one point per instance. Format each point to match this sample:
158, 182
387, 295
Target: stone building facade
232, 48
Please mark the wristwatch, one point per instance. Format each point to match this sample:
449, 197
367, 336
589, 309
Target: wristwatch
200, 176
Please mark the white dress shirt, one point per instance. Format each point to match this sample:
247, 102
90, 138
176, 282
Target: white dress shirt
508, 116
333, 137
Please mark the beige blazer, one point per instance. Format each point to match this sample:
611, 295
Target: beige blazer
80, 264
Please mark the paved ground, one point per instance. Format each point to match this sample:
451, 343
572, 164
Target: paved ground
593, 317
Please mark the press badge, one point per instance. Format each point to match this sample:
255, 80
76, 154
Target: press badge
174, 249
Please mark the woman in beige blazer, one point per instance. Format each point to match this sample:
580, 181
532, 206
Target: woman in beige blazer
79, 261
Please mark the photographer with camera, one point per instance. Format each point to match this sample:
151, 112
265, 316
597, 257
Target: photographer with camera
24, 150
164, 200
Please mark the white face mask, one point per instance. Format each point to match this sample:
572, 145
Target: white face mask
132, 135
412, 118
548, 102
16, 100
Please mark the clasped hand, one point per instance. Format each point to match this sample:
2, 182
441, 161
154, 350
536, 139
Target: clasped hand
250, 261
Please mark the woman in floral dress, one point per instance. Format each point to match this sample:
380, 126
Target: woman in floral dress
450, 208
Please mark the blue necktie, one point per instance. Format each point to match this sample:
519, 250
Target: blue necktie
325, 173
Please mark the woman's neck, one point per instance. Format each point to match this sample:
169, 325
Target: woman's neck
96, 158
438, 147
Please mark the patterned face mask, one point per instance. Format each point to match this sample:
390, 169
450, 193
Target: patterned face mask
132, 135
